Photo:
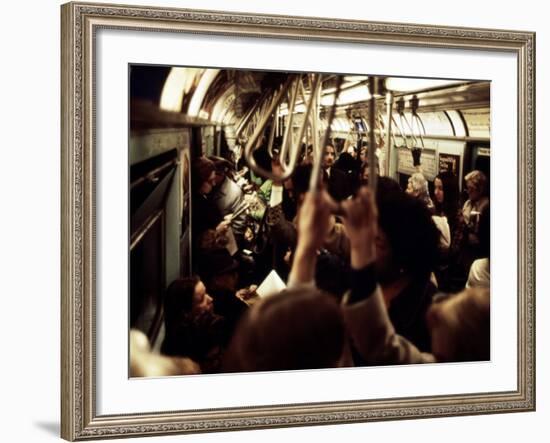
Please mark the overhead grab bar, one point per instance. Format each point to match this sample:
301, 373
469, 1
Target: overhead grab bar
416, 121
313, 116
272, 134
290, 149
249, 148
400, 104
288, 168
288, 130
246, 119
403, 118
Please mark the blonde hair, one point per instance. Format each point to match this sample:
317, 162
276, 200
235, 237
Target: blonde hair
478, 179
145, 363
419, 185
464, 320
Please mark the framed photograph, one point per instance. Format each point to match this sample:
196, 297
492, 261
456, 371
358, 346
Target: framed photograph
186, 137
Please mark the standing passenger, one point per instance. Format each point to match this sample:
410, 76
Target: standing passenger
337, 182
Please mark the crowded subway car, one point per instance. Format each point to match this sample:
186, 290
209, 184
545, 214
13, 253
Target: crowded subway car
296, 220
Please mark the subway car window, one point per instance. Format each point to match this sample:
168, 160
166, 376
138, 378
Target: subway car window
306, 220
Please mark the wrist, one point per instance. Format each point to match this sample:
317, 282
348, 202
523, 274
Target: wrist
361, 257
305, 250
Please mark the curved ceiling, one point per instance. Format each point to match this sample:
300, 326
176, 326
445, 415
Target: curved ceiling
225, 97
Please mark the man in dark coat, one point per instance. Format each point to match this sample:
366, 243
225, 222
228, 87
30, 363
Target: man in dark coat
337, 182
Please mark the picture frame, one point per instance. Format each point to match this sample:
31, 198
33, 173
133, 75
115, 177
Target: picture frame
80, 240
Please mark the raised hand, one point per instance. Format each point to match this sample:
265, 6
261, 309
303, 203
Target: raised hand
313, 225
360, 217
314, 220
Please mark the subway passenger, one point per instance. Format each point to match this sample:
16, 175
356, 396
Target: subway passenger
445, 198
417, 186
365, 171
228, 197
337, 182
209, 227
407, 251
220, 273
146, 363
459, 325
466, 242
480, 272
192, 327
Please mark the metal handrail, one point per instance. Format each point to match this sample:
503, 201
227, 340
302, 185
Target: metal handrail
290, 149
249, 148
288, 130
296, 148
246, 119
417, 121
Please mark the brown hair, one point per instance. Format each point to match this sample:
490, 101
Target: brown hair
296, 329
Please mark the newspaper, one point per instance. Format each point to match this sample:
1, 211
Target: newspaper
272, 284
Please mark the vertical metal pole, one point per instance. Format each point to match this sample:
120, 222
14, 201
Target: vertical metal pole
389, 148
372, 142
316, 174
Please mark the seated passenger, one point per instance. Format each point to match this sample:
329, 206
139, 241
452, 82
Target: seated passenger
209, 228
192, 328
220, 273
228, 197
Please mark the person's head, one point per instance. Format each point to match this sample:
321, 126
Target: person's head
346, 162
300, 181
352, 150
295, 329
363, 153
145, 363
407, 243
460, 326
186, 297
445, 194
417, 185
476, 185
222, 168
330, 156
204, 175
332, 274
364, 174
439, 191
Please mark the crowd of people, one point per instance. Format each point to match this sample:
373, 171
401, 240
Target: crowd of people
399, 276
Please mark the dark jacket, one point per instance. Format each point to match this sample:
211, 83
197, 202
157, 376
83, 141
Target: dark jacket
227, 198
338, 184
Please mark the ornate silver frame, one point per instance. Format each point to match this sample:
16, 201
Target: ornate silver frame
79, 420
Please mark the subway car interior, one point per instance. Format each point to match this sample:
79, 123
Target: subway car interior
223, 165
